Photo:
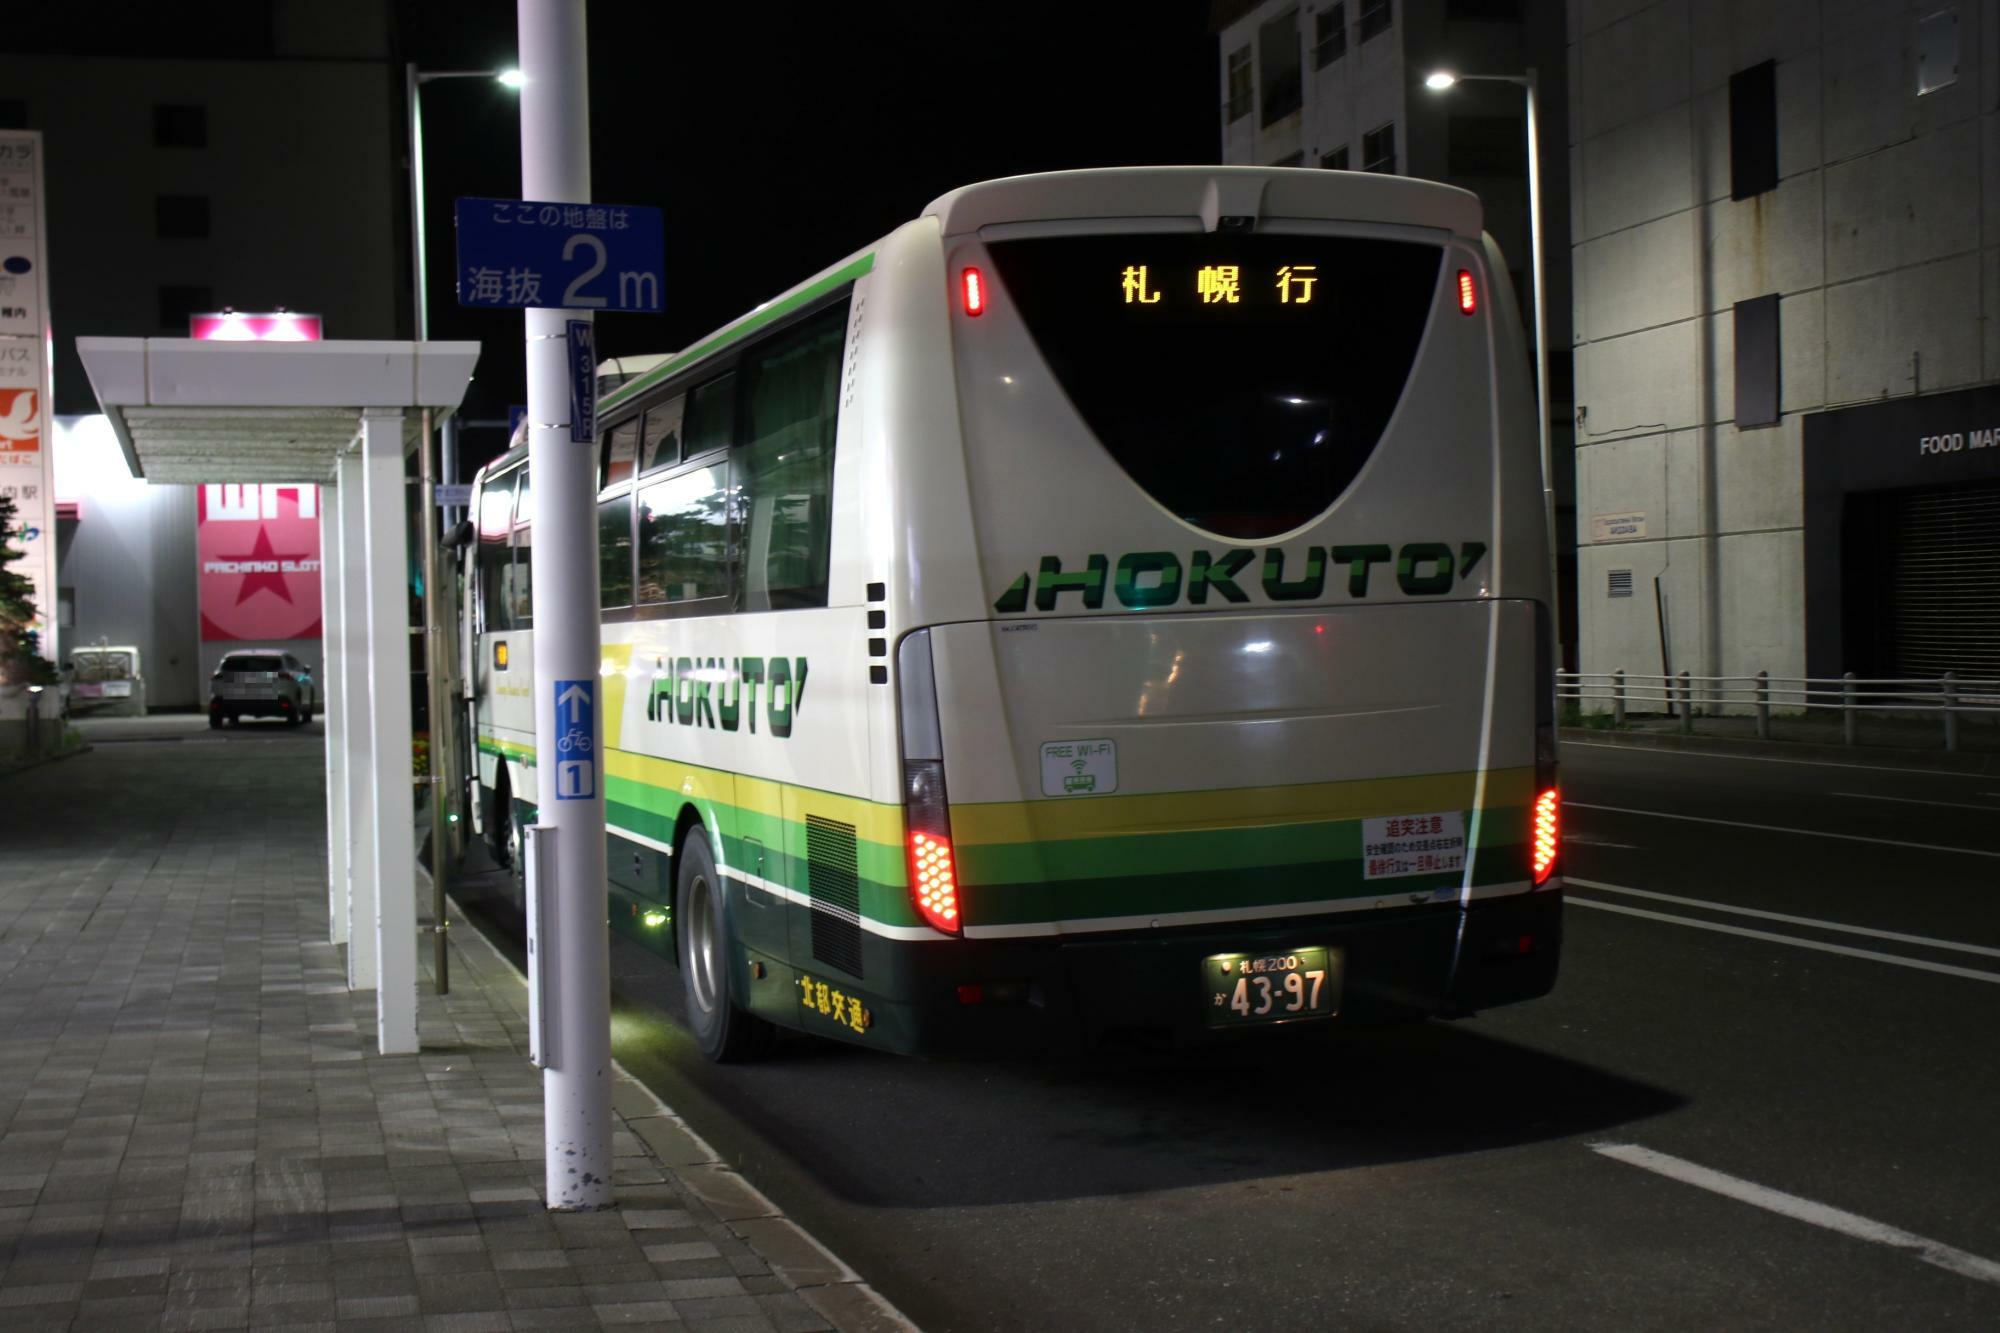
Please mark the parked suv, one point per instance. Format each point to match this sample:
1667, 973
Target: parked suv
260, 683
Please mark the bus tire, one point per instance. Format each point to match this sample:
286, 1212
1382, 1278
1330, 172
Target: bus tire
725, 1033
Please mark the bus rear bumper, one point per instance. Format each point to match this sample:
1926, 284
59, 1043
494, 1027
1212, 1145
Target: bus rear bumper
1082, 993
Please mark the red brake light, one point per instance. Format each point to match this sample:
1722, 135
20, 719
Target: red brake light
933, 882
1546, 834
973, 287
1468, 298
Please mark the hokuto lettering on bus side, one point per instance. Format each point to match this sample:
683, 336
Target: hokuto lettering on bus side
1145, 579
724, 693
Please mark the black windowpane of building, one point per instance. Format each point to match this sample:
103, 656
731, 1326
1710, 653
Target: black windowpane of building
180, 217
1378, 150
1375, 18
1483, 11
1753, 130
1334, 159
1757, 361
1283, 90
177, 303
1487, 146
1329, 35
180, 125
13, 113
1239, 83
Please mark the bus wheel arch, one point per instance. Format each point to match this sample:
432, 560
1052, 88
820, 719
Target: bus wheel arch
724, 1030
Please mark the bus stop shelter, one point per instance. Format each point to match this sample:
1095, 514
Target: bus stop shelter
343, 415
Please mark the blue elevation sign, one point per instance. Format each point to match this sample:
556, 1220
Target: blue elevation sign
514, 254
576, 746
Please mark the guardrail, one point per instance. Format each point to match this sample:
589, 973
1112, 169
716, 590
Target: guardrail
1849, 695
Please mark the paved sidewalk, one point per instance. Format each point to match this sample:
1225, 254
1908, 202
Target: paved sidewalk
195, 1133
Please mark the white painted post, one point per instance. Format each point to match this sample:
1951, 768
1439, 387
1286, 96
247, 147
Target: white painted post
394, 853
358, 791
330, 647
575, 952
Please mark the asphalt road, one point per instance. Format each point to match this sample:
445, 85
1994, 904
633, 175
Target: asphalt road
1764, 1094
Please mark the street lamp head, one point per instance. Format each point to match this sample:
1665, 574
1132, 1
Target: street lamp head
1439, 80
511, 78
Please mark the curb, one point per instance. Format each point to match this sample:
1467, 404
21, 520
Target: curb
10, 768
1858, 755
811, 1271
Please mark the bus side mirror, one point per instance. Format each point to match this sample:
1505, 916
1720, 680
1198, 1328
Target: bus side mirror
460, 534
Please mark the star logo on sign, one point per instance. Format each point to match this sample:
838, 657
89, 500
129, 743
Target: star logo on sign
271, 581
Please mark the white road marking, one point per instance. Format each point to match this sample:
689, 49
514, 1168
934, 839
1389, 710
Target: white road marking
1814, 922
1772, 759
1846, 951
1580, 840
1777, 828
1947, 1257
1911, 800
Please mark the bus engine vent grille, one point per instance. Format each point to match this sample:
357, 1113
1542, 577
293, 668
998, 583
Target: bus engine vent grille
832, 880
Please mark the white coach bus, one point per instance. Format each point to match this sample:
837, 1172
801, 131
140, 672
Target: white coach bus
1113, 601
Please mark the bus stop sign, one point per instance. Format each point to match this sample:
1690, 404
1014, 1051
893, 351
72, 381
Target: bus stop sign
517, 254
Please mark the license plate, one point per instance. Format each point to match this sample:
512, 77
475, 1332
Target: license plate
1270, 987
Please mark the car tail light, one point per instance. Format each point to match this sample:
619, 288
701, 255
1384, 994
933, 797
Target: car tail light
932, 863
1546, 834
286, 675
1468, 297
972, 285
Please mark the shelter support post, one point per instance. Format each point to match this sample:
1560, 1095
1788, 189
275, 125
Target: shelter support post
331, 602
387, 607
357, 784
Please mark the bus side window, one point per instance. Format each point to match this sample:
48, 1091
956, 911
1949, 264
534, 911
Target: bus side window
784, 468
496, 521
520, 597
614, 552
663, 434
621, 448
710, 419
684, 537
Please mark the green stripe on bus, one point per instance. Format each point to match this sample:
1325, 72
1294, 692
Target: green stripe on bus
749, 324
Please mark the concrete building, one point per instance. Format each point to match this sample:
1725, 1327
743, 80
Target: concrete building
1339, 84
187, 170
1787, 266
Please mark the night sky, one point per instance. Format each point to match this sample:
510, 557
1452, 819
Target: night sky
779, 138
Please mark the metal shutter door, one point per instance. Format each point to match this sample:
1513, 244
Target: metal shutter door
1942, 582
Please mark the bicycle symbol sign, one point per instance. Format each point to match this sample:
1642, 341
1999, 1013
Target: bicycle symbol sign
576, 717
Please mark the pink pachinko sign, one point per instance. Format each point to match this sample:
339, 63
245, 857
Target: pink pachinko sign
259, 552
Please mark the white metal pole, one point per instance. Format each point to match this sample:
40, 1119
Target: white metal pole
420, 308
331, 644
1542, 356
394, 853
355, 647
576, 1078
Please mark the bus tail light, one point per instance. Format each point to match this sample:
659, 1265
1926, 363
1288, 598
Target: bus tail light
972, 285
933, 869
1468, 296
1546, 834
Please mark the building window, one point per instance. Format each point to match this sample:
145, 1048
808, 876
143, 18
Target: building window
180, 125
1329, 35
180, 217
1753, 130
1483, 11
177, 303
1486, 146
1239, 83
1278, 55
1378, 150
1757, 362
1376, 16
1334, 159
13, 113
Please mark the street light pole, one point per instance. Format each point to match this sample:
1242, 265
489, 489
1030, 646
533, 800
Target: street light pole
442, 756
1529, 83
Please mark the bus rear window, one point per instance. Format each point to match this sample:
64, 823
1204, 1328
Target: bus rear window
1243, 381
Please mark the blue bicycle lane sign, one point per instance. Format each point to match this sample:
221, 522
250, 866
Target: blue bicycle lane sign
576, 725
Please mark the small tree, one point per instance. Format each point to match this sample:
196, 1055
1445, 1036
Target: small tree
21, 660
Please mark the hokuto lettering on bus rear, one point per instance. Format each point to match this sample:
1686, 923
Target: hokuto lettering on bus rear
1141, 580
